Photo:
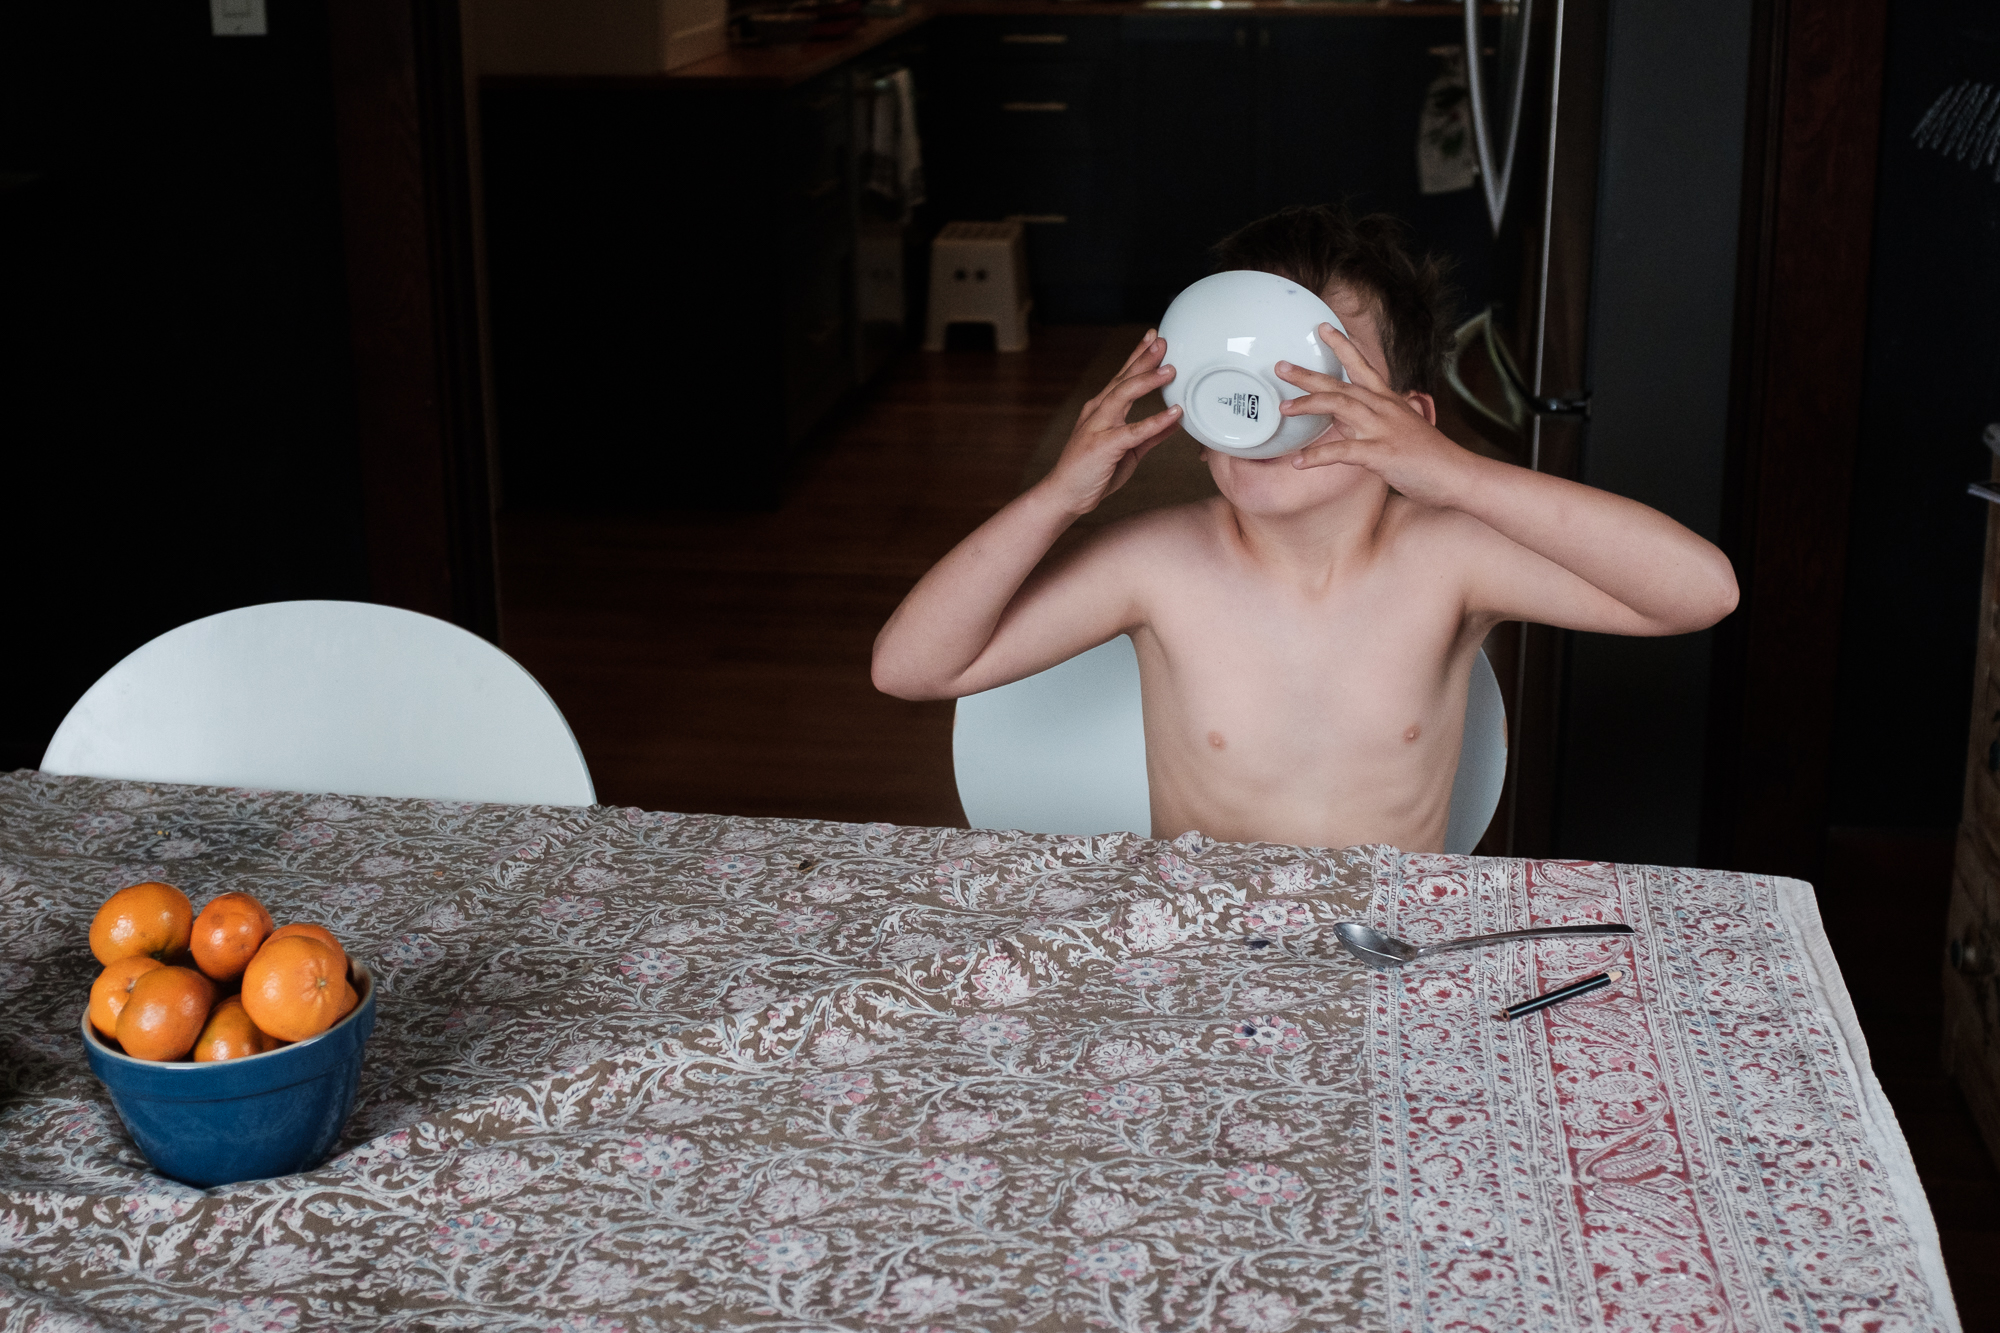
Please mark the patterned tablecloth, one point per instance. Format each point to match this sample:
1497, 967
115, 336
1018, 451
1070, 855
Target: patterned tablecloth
647, 1071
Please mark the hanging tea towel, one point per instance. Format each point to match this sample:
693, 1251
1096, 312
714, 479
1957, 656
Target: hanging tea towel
1446, 160
895, 168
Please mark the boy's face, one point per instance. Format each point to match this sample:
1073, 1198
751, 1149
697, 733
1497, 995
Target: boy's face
1272, 487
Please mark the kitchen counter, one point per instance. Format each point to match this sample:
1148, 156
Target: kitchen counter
1129, 9
794, 62
747, 67
786, 66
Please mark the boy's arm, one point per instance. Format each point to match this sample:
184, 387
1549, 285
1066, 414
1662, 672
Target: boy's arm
1574, 556
984, 615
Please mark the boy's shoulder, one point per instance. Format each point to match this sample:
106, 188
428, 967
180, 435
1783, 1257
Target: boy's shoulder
1151, 533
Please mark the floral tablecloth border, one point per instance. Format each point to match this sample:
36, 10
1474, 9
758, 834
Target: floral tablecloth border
1701, 1146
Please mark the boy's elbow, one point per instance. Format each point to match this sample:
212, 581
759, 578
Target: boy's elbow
1696, 602
898, 688
1727, 595
886, 672
1723, 593
897, 681
886, 678
1716, 598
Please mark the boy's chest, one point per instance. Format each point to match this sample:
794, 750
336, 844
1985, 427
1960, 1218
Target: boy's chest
1363, 665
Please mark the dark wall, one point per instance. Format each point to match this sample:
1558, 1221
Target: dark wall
1931, 385
1662, 310
175, 390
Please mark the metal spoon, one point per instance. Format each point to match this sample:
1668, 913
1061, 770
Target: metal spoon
1377, 950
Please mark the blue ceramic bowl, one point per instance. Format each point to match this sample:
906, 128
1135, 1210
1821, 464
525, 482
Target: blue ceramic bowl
263, 1115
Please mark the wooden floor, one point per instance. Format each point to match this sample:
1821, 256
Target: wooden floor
719, 662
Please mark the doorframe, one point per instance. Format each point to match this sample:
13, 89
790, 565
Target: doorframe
1812, 133
409, 204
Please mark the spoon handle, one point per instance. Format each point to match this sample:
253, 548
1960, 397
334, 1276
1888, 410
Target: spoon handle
1536, 933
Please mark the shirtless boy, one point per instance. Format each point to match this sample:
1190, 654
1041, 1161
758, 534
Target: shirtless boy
1305, 640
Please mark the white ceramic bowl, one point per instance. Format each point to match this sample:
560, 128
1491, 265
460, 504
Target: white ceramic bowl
1225, 336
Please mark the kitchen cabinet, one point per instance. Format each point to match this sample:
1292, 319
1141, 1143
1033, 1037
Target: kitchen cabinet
1192, 156
1024, 120
1191, 124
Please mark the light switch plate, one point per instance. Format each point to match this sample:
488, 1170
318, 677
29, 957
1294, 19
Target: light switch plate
237, 18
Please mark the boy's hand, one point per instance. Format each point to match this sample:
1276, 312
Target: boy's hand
1104, 449
1373, 426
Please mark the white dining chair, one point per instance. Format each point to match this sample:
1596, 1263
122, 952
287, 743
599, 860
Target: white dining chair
343, 697
1064, 751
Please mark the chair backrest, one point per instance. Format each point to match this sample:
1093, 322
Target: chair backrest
1061, 751
341, 697
1482, 760
1064, 751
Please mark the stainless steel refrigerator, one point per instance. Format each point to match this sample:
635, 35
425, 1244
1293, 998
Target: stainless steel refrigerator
1608, 136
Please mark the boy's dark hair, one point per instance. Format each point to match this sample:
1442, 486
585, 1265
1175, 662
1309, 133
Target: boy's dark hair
1316, 244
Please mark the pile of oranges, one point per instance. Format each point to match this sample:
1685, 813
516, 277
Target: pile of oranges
227, 983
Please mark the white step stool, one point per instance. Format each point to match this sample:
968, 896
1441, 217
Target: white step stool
979, 275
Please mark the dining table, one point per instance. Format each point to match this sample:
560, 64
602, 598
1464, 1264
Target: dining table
636, 1070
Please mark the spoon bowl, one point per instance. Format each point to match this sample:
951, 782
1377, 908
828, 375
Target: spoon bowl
1373, 947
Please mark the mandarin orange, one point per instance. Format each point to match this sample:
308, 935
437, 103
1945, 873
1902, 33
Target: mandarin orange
151, 918
113, 987
296, 987
230, 1035
227, 935
314, 932
164, 1013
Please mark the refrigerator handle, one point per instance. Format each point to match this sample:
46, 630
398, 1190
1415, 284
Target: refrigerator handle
1519, 404
1495, 170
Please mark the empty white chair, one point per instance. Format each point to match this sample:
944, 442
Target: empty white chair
1064, 751
341, 697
